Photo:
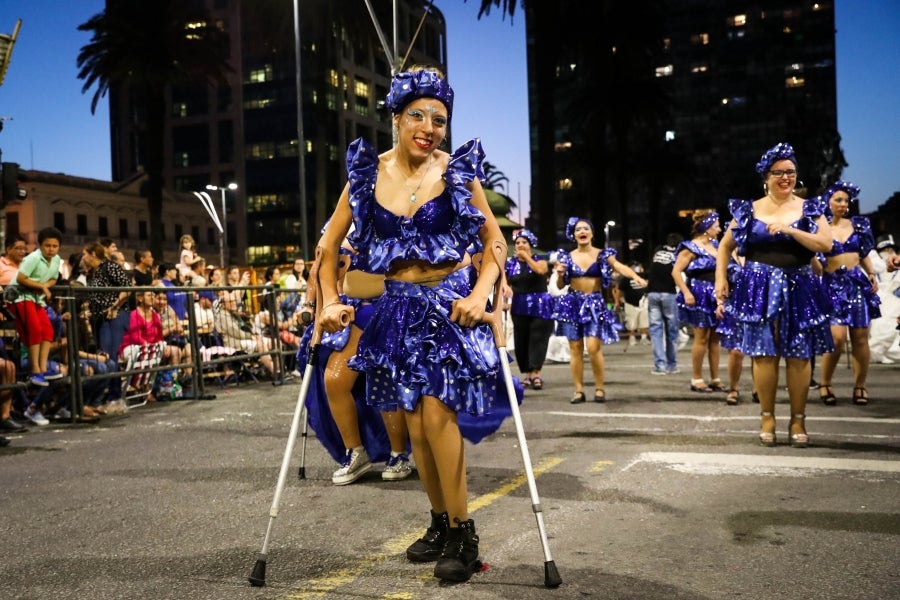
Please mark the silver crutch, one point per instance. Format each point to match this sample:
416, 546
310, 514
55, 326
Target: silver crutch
551, 574
258, 575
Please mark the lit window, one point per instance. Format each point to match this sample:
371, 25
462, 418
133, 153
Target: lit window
664, 71
700, 68
794, 82
562, 146
564, 184
794, 68
261, 75
333, 78
667, 43
361, 88
738, 20
670, 135
180, 109
701, 39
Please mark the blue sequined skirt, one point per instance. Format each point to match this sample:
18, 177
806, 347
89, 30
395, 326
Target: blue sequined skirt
855, 304
411, 348
703, 313
580, 315
535, 304
780, 311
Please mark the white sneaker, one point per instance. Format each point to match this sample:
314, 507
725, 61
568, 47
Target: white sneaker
632, 341
886, 361
354, 465
397, 468
36, 417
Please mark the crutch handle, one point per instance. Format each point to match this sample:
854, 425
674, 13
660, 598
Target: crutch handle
494, 318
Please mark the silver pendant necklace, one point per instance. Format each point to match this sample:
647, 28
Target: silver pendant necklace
412, 196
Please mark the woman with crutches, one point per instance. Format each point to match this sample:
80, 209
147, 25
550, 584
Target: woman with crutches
416, 211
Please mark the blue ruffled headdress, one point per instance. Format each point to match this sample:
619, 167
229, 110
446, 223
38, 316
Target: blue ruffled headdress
570, 227
782, 151
411, 85
528, 235
842, 186
708, 221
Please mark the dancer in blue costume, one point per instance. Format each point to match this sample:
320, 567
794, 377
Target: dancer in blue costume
416, 210
694, 273
780, 304
531, 306
730, 337
583, 313
851, 281
354, 433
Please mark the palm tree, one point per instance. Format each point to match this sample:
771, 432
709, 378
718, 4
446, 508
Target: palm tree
145, 46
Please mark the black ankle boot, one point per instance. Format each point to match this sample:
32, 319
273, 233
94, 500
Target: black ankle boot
460, 556
428, 548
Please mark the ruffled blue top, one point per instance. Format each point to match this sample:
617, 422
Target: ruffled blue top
441, 230
600, 268
703, 261
861, 241
750, 233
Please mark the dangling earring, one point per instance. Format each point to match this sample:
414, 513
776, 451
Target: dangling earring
765, 188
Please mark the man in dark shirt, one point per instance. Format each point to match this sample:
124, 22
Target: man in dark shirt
663, 311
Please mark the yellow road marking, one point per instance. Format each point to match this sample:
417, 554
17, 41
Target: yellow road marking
320, 587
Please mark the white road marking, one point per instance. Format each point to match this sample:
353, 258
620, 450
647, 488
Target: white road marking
714, 418
754, 463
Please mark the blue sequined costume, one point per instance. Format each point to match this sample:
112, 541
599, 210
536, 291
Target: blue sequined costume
855, 304
530, 295
729, 329
701, 277
410, 347
782, 311
578, 314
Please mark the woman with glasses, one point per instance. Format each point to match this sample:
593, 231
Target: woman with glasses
780, 305
853, 286
583, 313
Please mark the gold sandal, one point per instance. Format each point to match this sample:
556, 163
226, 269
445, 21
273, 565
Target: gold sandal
767, 438
798, 440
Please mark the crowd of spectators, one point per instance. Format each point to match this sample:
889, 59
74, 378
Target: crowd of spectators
119, 329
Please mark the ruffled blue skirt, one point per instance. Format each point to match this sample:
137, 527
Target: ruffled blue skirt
703, 313
535, 304
410, 348
580, 315
780, 312
854, 302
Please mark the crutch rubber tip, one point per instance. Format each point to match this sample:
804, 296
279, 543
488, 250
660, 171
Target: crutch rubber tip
258, 576
551, 575
301, 473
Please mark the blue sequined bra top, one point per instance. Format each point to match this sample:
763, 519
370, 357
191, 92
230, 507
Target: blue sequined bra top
779, 250
861, 241
433, 217
599, 268
441, 230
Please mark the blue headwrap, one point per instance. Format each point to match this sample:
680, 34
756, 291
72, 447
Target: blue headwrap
782, 151
528, 235
570, 227
411, 85
841, 186
708, 221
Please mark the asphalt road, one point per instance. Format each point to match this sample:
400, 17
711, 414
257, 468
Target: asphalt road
659, 493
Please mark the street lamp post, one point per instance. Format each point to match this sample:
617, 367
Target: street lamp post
221, 224
606, 233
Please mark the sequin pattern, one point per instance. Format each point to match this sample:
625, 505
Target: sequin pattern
703, 312
780, 311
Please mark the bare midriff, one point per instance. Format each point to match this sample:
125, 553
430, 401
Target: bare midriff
847, 259
587, 285
423, 273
